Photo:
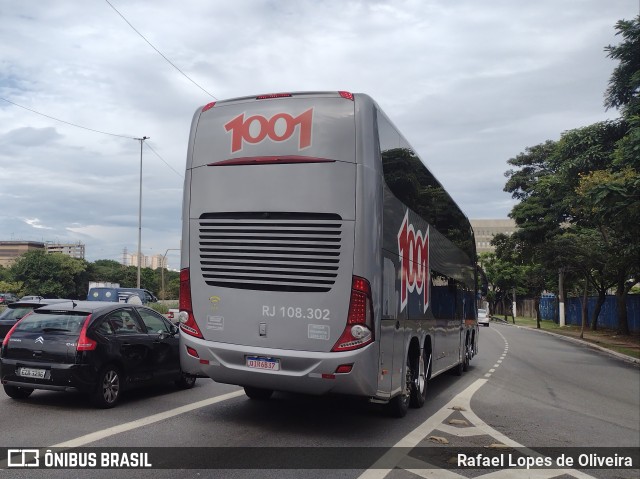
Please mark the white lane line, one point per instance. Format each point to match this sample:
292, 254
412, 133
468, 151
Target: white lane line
145, 421
397, 454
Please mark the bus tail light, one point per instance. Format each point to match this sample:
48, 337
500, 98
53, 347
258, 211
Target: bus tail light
85, 343
187, 320
359, 329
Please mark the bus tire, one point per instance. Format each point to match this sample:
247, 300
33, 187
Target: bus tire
420, 376
468, 355
259, 394
399, 405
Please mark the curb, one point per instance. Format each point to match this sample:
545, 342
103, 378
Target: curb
615, 354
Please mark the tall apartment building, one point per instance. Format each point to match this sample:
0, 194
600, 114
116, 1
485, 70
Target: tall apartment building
485, 230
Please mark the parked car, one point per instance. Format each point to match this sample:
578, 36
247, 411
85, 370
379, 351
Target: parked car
98, 348
15, 311
483, 317
31, 298
8, 298
122, 295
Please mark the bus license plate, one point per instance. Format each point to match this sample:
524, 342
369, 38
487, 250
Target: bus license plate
256, 362
31, 373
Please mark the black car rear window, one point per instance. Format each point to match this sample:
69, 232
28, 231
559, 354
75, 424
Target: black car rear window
64, 322
16, 313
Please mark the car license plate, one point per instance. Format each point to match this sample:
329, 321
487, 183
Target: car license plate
32, 373
257, 362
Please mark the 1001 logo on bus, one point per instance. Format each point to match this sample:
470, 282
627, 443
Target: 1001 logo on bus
413, 248
280, 127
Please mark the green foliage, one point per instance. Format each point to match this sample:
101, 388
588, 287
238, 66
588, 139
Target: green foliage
50, 275
624, 84
16, 288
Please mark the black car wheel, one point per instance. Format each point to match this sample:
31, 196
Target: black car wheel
16, 392
108, 389
186, 381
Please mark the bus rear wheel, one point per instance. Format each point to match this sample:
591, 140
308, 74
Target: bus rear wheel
399, 405
419, 378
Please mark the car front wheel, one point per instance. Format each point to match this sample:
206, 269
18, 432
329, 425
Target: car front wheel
107, 392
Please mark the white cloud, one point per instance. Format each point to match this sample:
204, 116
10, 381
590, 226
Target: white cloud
35, 223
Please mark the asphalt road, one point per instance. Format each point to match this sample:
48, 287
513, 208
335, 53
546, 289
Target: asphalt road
523, 389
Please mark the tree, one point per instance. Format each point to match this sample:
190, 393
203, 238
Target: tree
51, 275
624, 85
555, 183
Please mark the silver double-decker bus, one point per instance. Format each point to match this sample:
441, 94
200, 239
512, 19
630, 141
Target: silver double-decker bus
319, 254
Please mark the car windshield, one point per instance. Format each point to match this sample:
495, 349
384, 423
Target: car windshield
66, 322
15, 313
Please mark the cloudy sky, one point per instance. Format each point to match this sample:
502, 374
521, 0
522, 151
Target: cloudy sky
470, 83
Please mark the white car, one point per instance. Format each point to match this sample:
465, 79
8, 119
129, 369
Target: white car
31, 298
483, 317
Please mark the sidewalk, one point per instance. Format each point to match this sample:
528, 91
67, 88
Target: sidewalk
624, 347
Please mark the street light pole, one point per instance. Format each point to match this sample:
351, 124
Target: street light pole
141, 140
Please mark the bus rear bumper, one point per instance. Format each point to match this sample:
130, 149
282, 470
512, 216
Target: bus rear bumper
307, 372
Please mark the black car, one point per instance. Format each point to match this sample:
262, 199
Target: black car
93, 347
15, 311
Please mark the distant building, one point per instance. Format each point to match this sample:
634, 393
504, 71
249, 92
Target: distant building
485, 230
11, 250
153, 262
133, 260
158, 261
75, 250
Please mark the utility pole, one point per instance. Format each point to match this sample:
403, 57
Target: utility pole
141, 140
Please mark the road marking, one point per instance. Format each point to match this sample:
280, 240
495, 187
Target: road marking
412, 439
398, 458
145, 421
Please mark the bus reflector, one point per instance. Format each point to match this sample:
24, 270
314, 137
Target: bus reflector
347, 95
328, 376
192, 352
359, 329
189, 326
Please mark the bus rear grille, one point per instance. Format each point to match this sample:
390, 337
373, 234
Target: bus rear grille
270, 251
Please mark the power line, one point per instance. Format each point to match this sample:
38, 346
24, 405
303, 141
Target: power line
93, 130
158, 51
67, 122
163, 160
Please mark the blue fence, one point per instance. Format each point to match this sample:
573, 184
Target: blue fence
608, 317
